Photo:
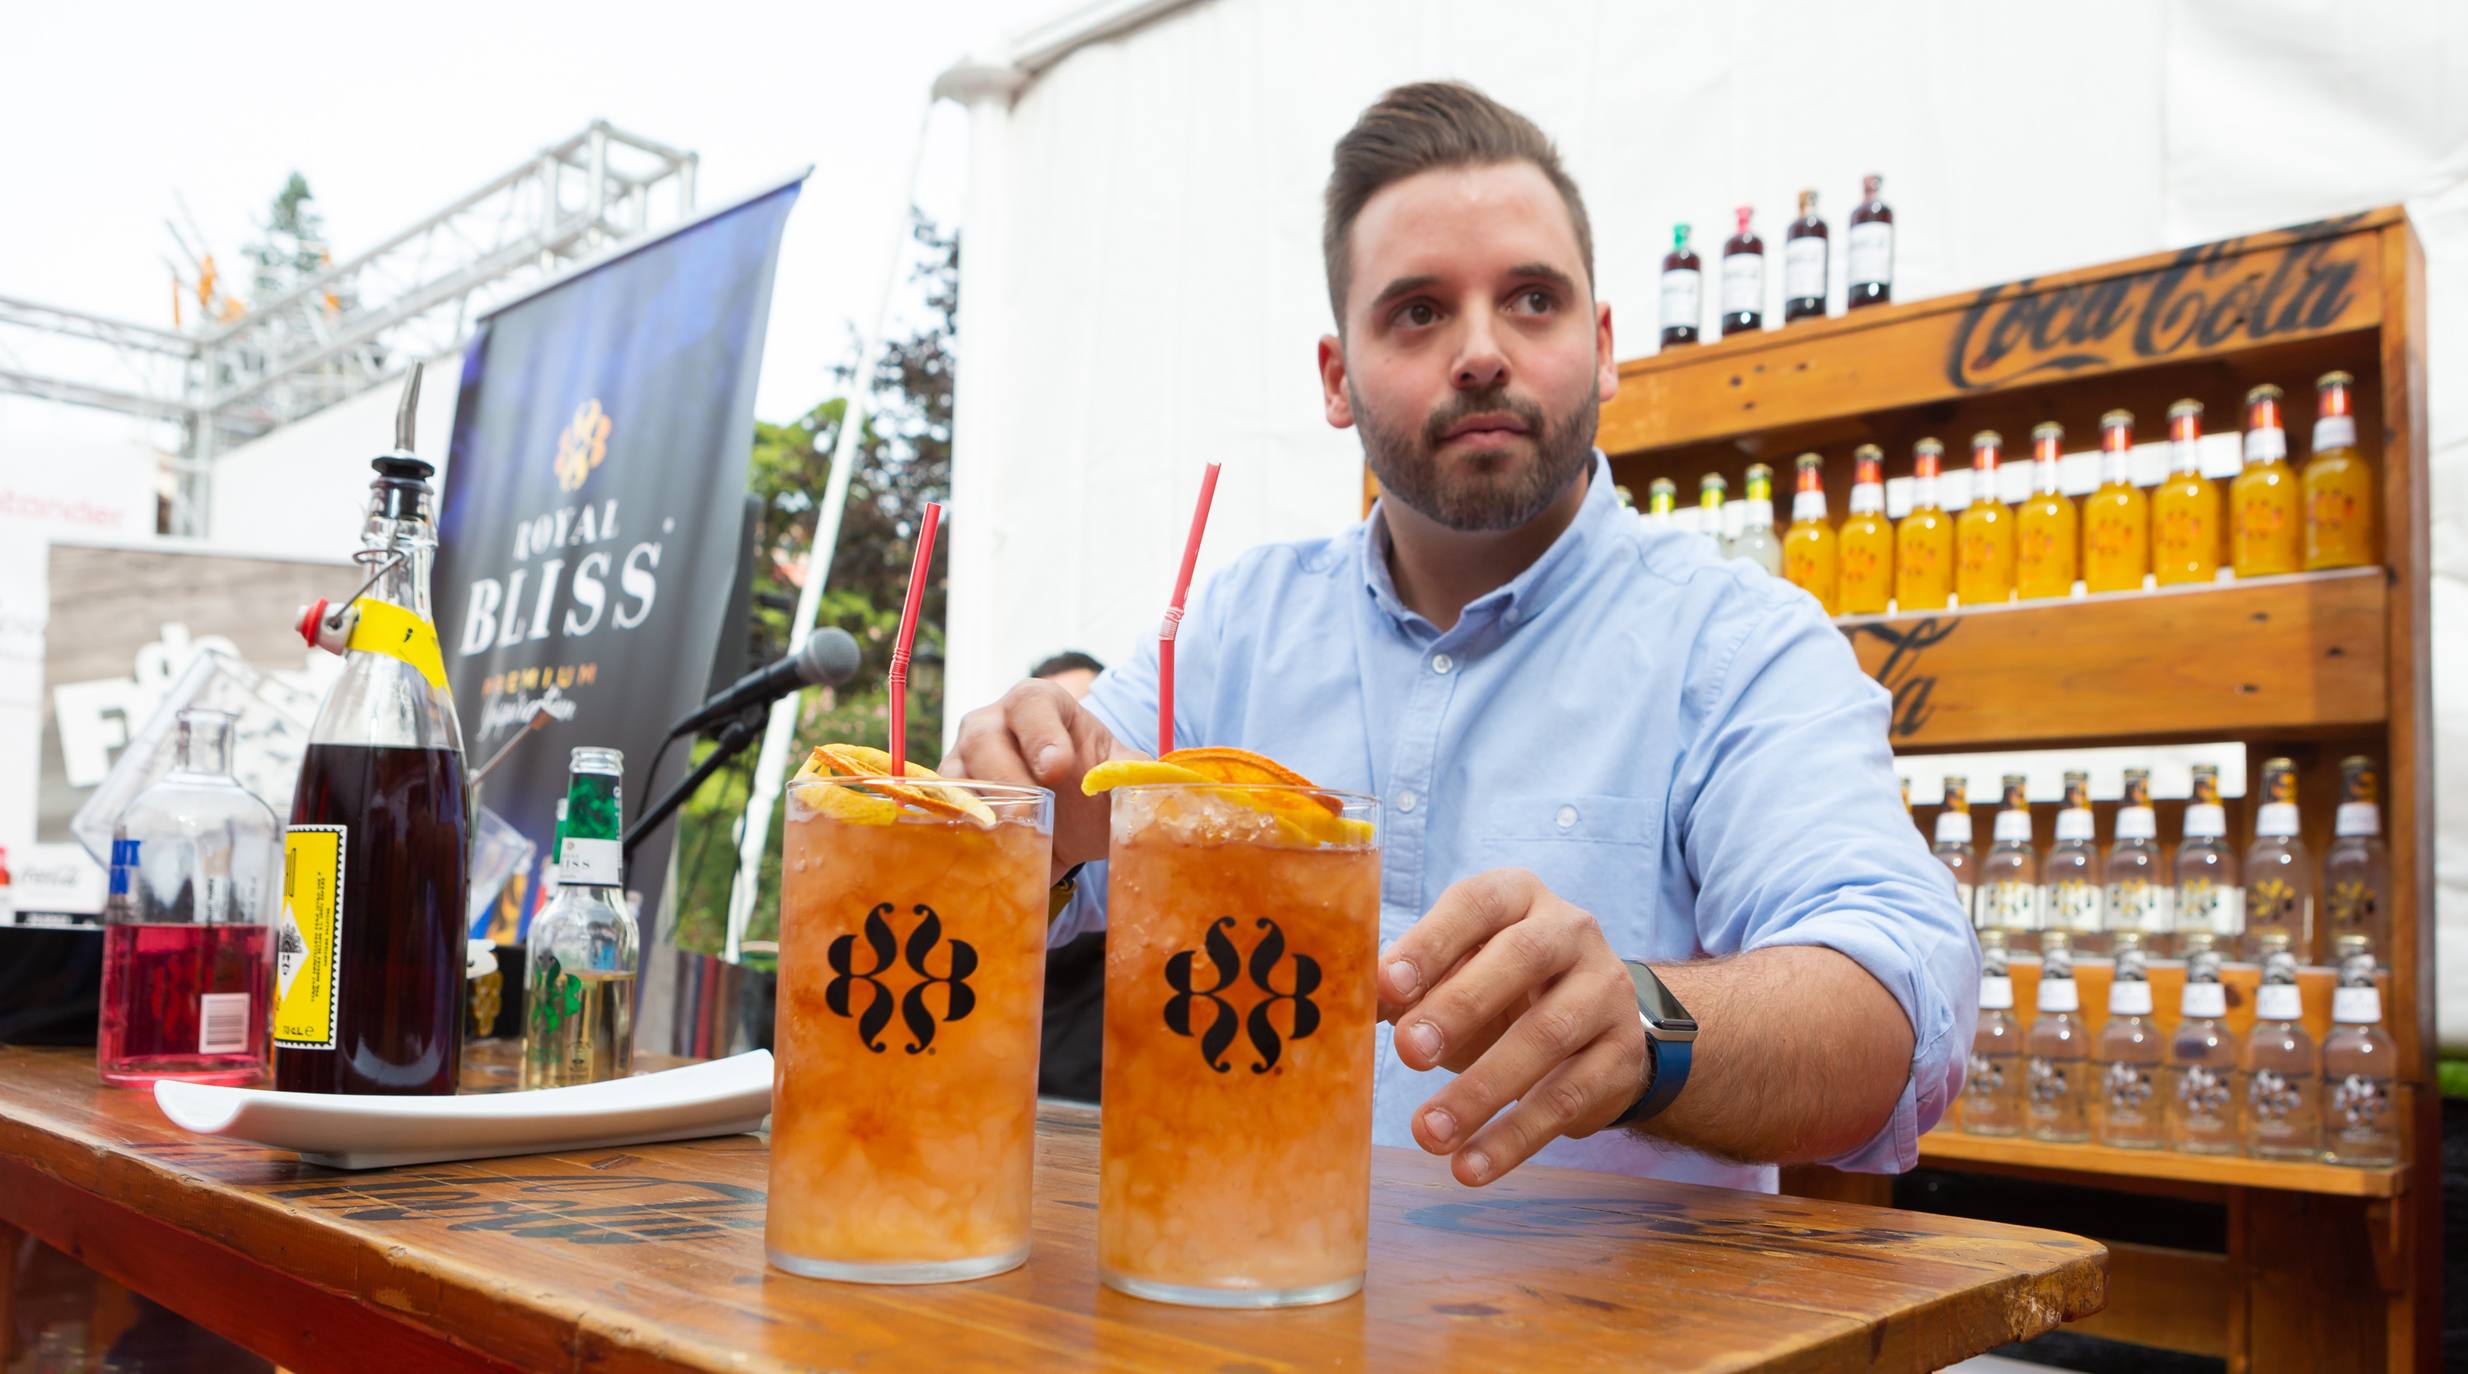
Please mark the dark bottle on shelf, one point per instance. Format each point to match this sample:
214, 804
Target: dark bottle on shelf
1743, 280
1804, 264
369, 935
1869, 248
1683, 290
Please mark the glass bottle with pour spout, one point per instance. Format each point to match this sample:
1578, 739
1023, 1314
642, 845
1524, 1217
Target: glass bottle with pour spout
370, 927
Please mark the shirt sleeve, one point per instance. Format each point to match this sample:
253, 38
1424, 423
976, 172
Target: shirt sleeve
1794, 834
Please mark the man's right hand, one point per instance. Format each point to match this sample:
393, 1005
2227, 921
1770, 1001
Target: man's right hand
1037, 735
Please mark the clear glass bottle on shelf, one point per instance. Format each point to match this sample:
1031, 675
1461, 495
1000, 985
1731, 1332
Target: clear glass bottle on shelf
2279, 873
2137, 895
2283, 1073
1713, 490
2360, 1069
2009, 893
1993, 1083
1756, 541
2209, 899
2356, 873
2131, 1057
580, 970
1661, 500
2202, 1060
1953, 847
188, 958
2071, 875
2058, 1105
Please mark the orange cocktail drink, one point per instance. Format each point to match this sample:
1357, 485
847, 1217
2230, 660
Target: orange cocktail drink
912, 962
1242, 933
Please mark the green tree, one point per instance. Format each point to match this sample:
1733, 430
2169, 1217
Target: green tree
903, 461
292, 243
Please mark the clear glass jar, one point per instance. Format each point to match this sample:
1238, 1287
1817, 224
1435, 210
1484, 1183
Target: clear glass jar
188, 960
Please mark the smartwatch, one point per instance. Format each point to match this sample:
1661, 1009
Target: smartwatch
1670, 1039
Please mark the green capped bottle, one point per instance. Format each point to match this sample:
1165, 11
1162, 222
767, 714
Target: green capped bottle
578, 1009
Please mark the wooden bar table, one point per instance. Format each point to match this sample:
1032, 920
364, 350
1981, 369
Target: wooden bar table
651, 1258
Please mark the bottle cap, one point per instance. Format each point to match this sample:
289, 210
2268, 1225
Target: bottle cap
2204, 999
2060, 994
2137, 823
2074, 826
2358, 818
2278, 1002
2352, 1006
2205, 821
1954, 827
2129, 997
1997, 992
2013, 827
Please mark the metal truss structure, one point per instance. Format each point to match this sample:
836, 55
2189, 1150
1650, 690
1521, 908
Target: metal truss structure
359, 323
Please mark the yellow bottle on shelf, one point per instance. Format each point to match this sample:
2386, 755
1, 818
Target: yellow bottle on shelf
1808, 549
2266, 533
2045, 534
1984, 536
1924, 541
1864, 546
1711, 491
2185, 514
1661, 497
2116, 519
2339, 485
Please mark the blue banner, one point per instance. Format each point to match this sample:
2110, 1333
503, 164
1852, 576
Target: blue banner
592, 523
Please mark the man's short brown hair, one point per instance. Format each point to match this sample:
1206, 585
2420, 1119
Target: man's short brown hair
1424, 127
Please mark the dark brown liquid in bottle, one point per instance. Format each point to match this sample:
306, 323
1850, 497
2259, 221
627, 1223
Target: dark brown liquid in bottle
399, 1004
1802, 307
1881, 290
1738, 321
1682, 260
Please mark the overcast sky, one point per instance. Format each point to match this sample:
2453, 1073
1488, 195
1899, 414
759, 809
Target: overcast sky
392, 113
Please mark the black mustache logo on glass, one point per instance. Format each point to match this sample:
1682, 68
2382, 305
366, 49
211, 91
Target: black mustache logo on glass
1265, 955
959, 999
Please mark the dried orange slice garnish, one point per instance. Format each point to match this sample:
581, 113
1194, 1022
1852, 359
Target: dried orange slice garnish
1222, 764
1314, 818
864, 761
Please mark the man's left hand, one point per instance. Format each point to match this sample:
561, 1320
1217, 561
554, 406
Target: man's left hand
1517, 993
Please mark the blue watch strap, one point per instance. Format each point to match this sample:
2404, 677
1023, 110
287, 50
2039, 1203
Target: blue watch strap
1670, 1059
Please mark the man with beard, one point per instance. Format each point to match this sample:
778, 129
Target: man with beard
1644, 863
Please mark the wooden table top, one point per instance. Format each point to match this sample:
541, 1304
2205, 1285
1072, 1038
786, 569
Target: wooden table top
651, 1258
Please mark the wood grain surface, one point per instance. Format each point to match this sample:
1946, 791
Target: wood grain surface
651, 1258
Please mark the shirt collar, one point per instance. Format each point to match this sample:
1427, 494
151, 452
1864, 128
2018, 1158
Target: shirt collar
1524, 596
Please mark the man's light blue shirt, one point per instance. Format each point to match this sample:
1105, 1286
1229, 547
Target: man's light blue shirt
1679, 744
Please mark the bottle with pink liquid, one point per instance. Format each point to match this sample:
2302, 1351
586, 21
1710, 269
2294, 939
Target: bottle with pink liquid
187, 963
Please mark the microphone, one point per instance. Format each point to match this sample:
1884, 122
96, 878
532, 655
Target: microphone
826, 659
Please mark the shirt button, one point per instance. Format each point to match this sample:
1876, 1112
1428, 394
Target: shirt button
1406, 800
1515, 614
1567, 817
1441, 663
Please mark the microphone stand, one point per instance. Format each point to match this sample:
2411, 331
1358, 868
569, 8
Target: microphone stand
741, 731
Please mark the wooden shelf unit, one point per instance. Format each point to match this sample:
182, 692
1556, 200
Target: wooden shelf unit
2327, 1268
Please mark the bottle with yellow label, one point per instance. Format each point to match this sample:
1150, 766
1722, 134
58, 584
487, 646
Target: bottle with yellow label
2265, 531
1864, 546
1808, 550
2045, 537
2185, 514
1924, 541
1661, 495
2116, 519
1984, 536
2339, 487
1712, 489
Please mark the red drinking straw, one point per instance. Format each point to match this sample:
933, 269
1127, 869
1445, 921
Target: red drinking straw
1174, 614
908, 636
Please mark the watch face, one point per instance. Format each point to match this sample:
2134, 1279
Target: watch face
1656, 1001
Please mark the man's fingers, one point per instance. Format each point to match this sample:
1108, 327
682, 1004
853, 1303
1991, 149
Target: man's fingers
1561, 1024
1509, 967
1038, 716
1579, 1097
983, 749
1468, 913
